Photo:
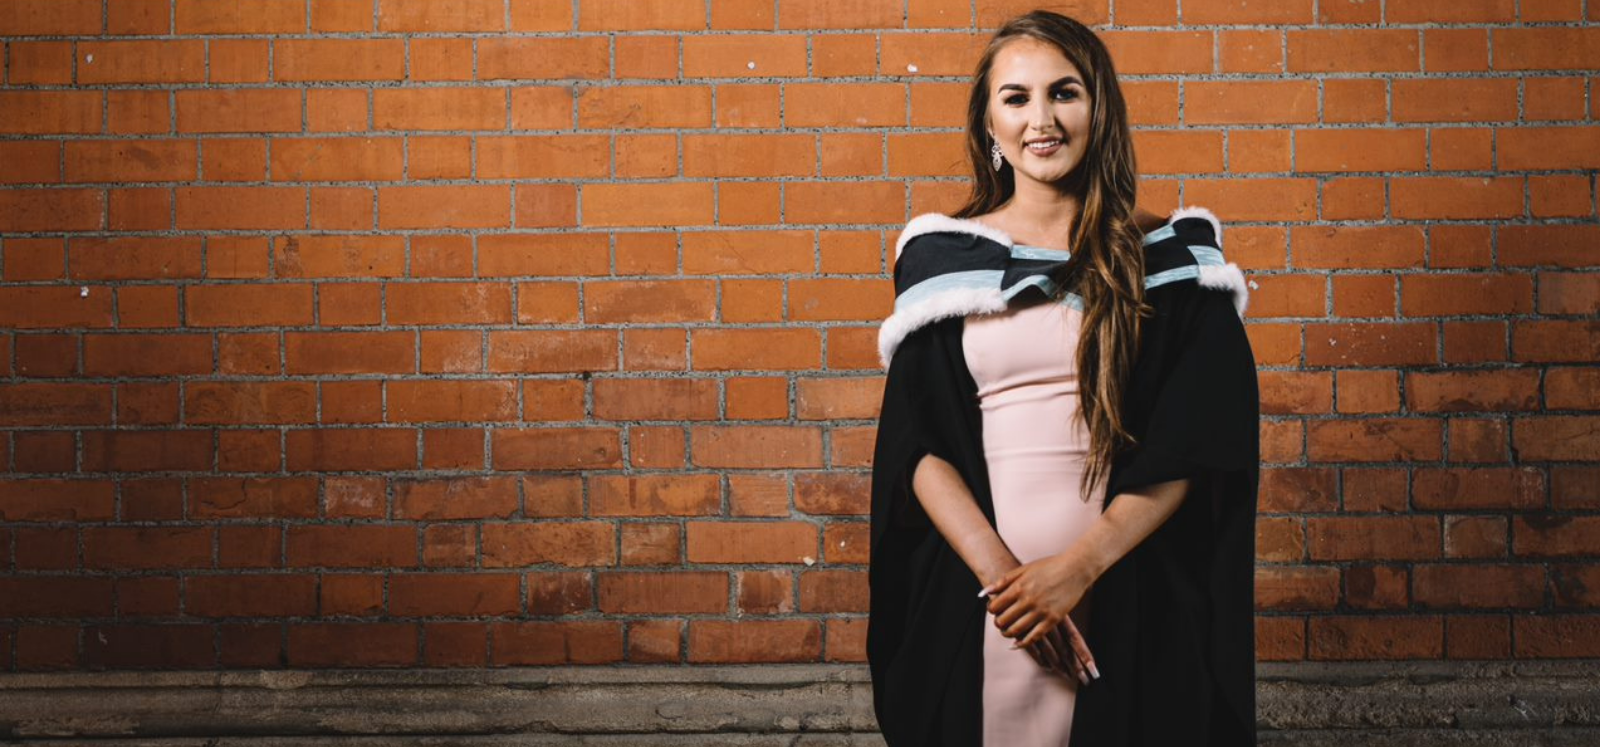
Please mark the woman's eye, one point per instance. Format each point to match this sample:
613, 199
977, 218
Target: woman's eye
1016, 99
1066, 94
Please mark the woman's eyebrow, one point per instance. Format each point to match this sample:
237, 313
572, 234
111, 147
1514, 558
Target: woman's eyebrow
1056, 84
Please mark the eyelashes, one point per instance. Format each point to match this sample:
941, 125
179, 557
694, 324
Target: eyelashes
1061, 95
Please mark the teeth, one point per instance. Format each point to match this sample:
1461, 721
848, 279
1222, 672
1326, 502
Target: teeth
1044, 144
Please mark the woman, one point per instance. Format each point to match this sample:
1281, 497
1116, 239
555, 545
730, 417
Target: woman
1064, 483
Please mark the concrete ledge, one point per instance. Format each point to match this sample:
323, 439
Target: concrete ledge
1552, 703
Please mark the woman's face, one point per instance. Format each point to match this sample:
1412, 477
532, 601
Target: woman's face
1038, 110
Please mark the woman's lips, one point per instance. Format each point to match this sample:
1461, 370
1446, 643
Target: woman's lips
1043, 150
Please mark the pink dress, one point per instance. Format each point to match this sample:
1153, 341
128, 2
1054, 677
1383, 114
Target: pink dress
1023, 360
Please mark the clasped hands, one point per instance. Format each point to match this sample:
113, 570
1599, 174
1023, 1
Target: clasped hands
1031, 603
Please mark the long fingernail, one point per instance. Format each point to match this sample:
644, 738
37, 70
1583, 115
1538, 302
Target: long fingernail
1093, 671
984, 592
1084, 678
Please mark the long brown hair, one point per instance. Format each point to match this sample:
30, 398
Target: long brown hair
1107, 264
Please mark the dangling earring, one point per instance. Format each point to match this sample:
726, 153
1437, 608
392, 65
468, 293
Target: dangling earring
995, 156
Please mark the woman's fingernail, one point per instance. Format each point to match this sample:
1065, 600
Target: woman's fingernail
984, 592
1084, 678
1093, 671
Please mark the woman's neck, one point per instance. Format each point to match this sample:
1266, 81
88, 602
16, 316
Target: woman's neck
1039, 215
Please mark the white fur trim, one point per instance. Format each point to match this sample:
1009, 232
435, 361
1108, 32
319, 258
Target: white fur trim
1230, 278
1195, 211
940, 223
942, 306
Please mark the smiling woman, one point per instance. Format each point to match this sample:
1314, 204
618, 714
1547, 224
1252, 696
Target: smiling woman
1068, 431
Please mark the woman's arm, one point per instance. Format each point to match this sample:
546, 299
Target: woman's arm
950, 505
954, 512
1032, 599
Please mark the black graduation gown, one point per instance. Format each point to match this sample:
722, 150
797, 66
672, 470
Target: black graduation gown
1172, 623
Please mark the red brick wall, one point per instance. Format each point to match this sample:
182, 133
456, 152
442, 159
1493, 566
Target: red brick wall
465, 332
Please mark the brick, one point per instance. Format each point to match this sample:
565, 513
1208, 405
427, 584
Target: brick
1256, 199
655, 399
248, 110
485, 206
352, 449
833, 591
588, 543
349, 352
1572, 389
56, 500
1548, 147
1299, 490
251, 595
516, 255
321, 645
1556, 341
552, 351
1371, 344
626, 107
763, 349
455, 498
148, 646
652, 543
1232, 12
556, 448
652, 204
127, 548
543, 157
54, 404
846, 543
1557, 438
753, 641
1252, 51
1374, 489
1558, 245
50, 17
454, 594
577, 642
838, 398
664, 593
1468, 391
1376, 638
1218, 102
1297, 588
441, 15
748, 155
751, 542
1455, 100
351, 546
544, 58
230, 403
1280, 638
649, 301
559, 593
650, 495
1546, 48
844, 105
1370, 538
1556, 636
1354, 50
51, 210
731, 252
1360, 150
743, 55
1475, 536
441, 108
1375, 440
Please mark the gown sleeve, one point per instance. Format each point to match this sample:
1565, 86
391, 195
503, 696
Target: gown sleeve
1174, 617
924, 630
1197, 404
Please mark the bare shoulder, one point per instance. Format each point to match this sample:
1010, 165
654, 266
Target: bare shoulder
1146, 220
